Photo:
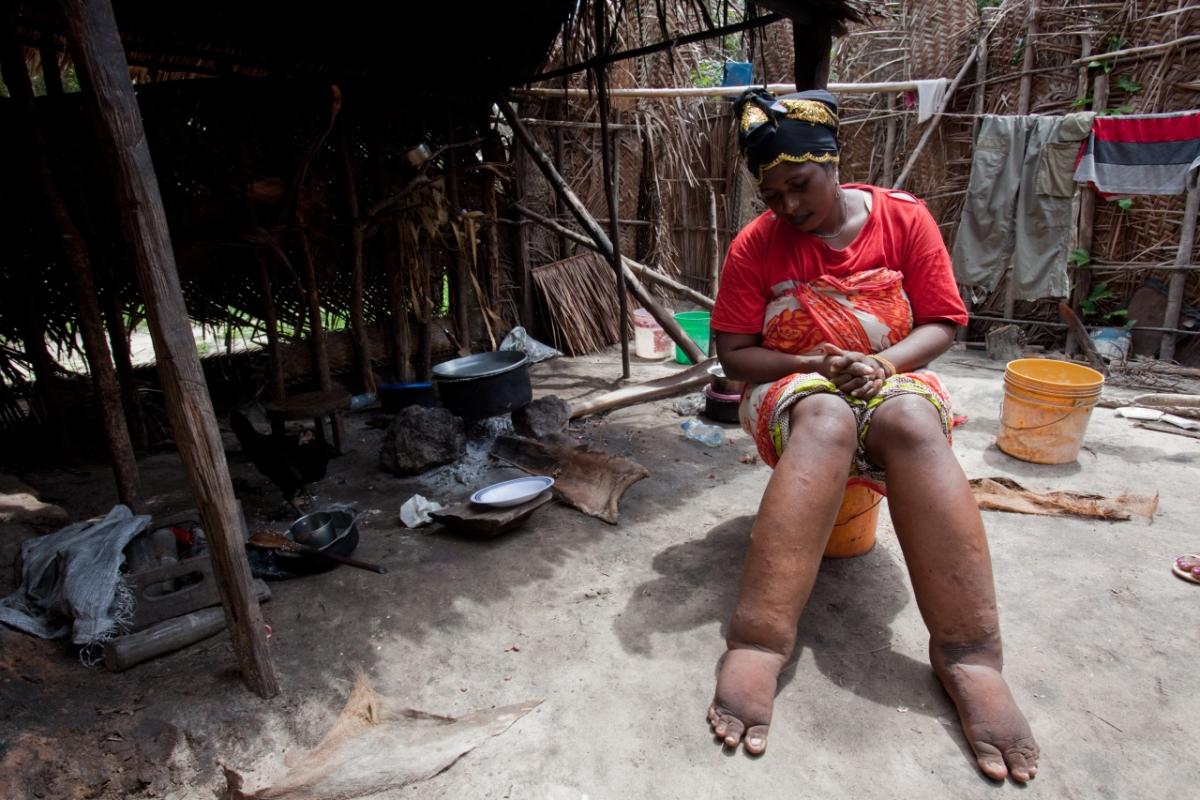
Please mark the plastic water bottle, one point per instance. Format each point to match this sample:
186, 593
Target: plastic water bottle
360, 401
710, 435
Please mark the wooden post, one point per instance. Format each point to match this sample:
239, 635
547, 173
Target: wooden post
524, 280
358, 325
45, 370
981, 67
460, 284
609, 159
589, 224
389, 246
100, 59
1187, 238
270, 318
312, 295
558, 165
1024, 95
932, 125
51, 74
493, 154
83, 284
1087, 220
114, 320
1024, 101
889, 141
714, 244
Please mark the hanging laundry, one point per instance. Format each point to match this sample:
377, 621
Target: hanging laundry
1018, 204
1142, 154
931, 94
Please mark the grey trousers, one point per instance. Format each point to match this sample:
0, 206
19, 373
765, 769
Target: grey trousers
1019, 204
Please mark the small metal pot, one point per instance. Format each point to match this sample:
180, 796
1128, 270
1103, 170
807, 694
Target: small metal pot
723, 385
314, 530
485, 384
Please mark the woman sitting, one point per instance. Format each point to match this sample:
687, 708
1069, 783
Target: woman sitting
830, 304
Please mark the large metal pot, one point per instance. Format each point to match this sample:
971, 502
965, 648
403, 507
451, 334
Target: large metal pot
485, 384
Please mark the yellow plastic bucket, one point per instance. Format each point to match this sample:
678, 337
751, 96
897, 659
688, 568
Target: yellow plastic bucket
1046, 408
854, 531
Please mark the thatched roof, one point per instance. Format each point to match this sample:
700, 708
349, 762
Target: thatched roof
426, 45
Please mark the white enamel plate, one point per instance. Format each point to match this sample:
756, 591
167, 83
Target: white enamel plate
512, 493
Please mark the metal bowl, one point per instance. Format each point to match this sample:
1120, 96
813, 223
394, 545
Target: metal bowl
315, 530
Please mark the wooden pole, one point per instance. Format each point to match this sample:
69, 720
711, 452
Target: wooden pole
1087, 219
889, 141
520, 184
1187, 238
642, 271
51, 74
608, 159
937, 118
1024, 95
83, 284
588, 223
401, 329
460, 283
1024, 101
271, 320
114, 320
358, 325
493, 153
558, 203
714, 244
981, 67
671, 92
100, 59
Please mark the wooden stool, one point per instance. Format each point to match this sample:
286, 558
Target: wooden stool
314, 405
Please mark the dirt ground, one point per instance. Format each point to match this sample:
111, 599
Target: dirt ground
618, 629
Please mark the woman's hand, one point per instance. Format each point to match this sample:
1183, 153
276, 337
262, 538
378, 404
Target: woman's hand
853, 373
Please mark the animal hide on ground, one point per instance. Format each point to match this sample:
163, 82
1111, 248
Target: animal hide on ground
1005, 494
376, 745
590, 480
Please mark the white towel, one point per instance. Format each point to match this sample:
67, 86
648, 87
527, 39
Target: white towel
930, 96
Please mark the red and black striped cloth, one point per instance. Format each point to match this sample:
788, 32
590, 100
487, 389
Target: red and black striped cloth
1142, 154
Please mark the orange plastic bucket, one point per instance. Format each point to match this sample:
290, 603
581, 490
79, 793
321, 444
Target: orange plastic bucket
1046, 408
854, 531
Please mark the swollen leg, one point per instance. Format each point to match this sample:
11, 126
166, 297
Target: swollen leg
791, 529
941, 532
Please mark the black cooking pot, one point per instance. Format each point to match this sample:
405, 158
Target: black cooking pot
485, 384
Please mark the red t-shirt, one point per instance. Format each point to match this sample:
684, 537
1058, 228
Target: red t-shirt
899, 234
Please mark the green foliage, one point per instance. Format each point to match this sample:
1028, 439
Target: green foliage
1100, 292
1079, 257
1115, 112
708, 74
1127, 84
1125, 203
1118, 317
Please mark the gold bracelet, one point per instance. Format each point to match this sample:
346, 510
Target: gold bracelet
888, 367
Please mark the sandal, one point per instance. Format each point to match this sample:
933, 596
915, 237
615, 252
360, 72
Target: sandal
1187, 567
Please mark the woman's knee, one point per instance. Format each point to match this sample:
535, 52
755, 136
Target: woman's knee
904, 424
824, 419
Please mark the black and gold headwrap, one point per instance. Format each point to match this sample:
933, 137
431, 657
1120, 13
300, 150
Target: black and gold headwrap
796, 127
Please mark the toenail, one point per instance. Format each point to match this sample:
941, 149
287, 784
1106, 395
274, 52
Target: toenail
756, 742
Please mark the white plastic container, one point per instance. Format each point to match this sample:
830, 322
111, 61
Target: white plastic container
650, 341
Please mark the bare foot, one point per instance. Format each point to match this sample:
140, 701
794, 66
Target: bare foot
994, 726
741, 708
